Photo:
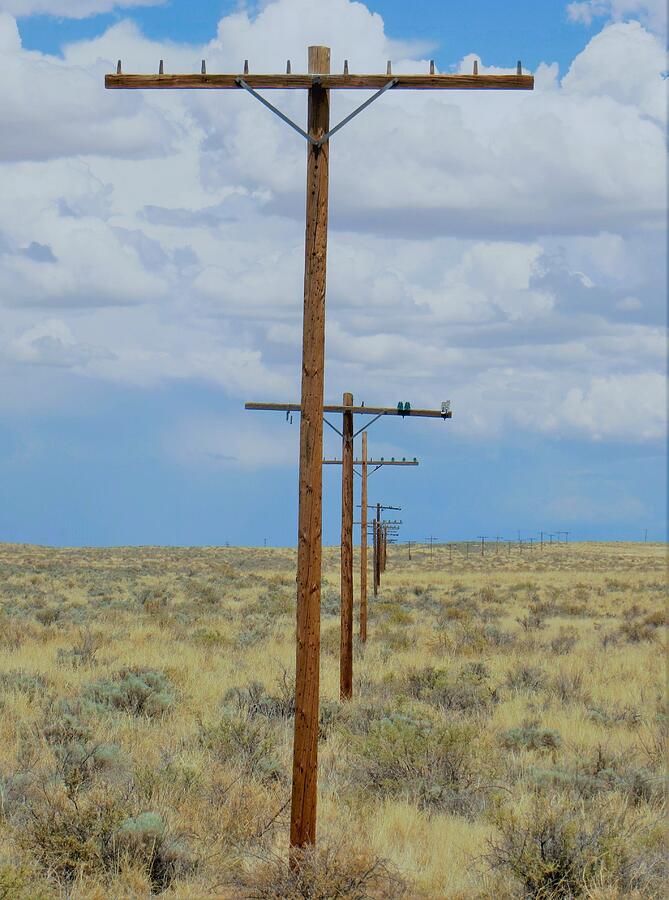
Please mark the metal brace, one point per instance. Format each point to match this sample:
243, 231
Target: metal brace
326, 137
365, 427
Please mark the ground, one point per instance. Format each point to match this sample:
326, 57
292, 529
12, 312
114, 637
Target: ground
506, 736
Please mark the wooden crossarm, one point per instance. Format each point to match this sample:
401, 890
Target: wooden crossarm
329, 82
358, 410
374, 462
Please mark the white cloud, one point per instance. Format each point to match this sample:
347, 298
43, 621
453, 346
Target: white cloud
51, 343
618, 405
231, 442
497, 249
652, 13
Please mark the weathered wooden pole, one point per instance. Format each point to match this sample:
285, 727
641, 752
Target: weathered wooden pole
363, 543
377, 558
346, 641
309, 552
375, 582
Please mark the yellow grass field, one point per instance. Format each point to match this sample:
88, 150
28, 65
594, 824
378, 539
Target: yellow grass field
506, 737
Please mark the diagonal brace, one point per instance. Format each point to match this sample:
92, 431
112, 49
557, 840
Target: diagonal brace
326, 137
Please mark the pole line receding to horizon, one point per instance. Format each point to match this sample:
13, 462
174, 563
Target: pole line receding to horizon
317, 82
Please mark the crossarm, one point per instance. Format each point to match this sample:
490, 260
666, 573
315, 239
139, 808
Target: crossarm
374, 462
329, 82
358, 410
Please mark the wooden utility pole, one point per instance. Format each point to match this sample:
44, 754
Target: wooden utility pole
318, 82
365, 465
309, 546
377, 548
346, 642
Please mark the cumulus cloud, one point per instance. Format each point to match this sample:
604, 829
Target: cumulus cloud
652, 13
496, 249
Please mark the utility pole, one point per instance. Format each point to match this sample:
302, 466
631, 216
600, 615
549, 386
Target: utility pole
346, 563
645, 536
378, 544
318, 83
377, 547
431, 539
365, 465
482, 538
363, 543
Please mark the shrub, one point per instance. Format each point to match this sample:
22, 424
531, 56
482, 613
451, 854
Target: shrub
33, 684
254, 700
487, 594
247, 743
401, 757
48, 615
564, 642
18, 883
635, 631
526, 678
529, 736
569, 687
83, 652
144, 841
466, 692
323, 873
141, 692
558, 850
70, 837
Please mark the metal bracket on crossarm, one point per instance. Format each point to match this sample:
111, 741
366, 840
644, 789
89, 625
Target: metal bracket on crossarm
326, 137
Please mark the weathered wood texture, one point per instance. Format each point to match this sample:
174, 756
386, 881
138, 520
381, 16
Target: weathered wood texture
377, 550
309, 553
327, 82
363, 542
346, 642
357, 410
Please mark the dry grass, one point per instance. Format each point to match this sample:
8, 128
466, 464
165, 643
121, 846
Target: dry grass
507, 736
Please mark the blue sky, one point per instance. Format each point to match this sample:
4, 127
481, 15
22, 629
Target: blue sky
503, 252
532, 31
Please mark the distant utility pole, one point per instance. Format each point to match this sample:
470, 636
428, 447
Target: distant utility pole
365, 465
409, 543
378, 538
542, 539
348, 411
645, 536
318, 83
482, 538
431, 539
497, 540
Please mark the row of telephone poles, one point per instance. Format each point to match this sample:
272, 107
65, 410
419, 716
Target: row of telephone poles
318, 82
495, 542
